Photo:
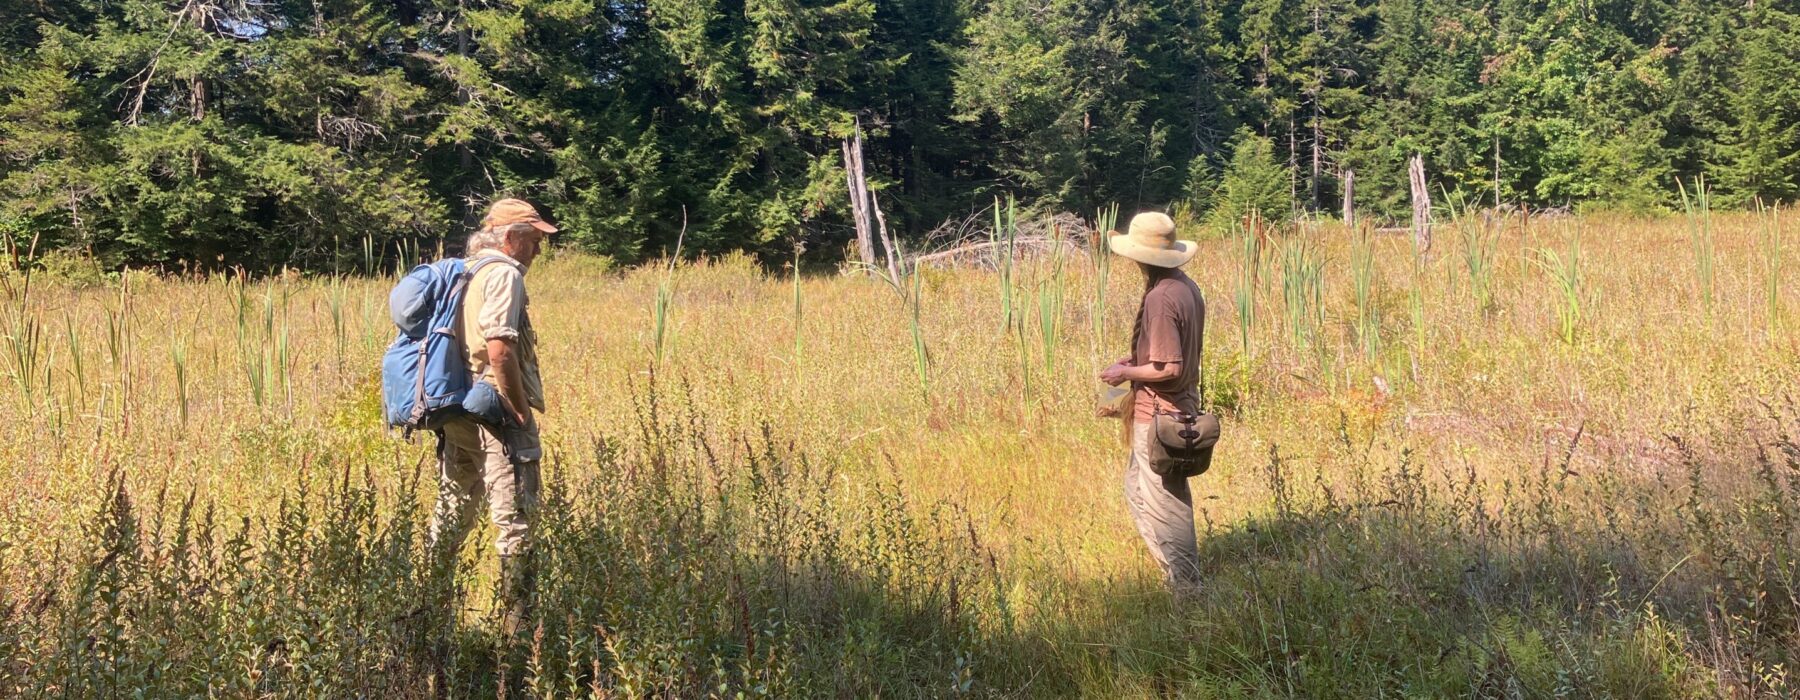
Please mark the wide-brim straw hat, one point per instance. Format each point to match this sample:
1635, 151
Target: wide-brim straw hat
1151, 241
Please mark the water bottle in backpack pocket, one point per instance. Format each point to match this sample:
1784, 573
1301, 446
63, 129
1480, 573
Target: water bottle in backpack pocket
484, 403
425, 373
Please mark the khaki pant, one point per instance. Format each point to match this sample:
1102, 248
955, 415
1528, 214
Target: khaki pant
1163, 509
475, 463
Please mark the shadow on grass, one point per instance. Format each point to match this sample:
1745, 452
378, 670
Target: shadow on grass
673, 570
1345, 605
1552, 589
678, 567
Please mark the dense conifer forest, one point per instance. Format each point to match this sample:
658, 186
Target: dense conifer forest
274, 132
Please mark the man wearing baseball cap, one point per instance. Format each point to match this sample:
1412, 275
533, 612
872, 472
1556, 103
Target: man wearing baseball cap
498, 461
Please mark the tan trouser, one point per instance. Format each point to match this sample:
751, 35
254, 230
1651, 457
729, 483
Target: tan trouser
475, 463
1163, 509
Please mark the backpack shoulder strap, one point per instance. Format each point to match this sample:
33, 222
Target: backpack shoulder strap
482, 262
468, 276
459, 291
475, 267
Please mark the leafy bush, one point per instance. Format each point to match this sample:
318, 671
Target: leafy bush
71, 268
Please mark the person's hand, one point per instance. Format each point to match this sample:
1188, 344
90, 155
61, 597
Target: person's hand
1107, 410
1114, 375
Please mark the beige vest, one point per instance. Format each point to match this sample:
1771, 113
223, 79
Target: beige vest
475, 300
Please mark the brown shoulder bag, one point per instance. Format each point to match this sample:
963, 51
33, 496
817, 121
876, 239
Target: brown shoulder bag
1183, 444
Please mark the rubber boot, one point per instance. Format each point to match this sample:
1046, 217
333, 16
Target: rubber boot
516, 586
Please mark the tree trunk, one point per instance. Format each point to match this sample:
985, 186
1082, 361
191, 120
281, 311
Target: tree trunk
887, 243
1318, 113
1317, 157
859, 198
198, 100
465, 156
1293, 166
1350, 199
1496, 171
865, 209
1421, 201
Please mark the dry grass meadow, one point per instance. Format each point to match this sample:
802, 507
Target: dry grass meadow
1553, 458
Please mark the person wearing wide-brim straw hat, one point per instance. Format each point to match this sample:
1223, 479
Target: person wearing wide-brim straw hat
1164, 371
1151, 240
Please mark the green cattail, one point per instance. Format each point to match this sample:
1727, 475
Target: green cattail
1362, 272
178, 357
1700, 235
1565, 274
1104, 221
921, 358
1249, 274
1769, 221
1002, 240
1050, 301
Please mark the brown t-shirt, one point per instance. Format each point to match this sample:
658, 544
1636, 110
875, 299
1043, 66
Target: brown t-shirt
1171, 327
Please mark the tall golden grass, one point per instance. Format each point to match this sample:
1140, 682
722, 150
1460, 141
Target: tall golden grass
1436, 479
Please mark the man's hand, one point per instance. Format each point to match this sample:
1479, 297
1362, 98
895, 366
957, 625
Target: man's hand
1115, 375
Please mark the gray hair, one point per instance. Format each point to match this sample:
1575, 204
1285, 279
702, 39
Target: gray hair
489, 237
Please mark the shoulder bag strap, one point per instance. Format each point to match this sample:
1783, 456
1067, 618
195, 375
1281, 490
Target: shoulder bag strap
1200, 376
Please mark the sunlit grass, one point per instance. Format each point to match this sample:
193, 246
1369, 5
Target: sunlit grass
1771, 249
1514, 512
1564, 270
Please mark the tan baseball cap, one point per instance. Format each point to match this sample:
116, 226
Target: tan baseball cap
515, 211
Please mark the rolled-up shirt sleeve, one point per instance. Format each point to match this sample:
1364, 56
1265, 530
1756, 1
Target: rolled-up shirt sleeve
503, 304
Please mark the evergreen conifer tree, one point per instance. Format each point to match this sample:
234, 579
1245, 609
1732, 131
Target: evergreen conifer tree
1759, 155
1255, 182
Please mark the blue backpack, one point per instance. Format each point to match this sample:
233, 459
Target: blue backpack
425, 374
